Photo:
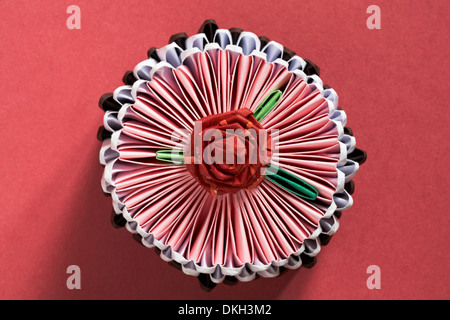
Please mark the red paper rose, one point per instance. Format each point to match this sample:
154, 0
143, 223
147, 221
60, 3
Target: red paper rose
229, 152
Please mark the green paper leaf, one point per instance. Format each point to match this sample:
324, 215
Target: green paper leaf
267, 105
173, 156
291, 183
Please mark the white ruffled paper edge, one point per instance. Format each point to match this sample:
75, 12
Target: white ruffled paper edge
172, 56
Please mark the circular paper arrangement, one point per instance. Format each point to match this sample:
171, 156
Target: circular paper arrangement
179, 140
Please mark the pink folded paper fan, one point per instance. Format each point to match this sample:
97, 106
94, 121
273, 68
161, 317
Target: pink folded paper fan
226, 152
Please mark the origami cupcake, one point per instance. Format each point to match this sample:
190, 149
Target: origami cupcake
226, 152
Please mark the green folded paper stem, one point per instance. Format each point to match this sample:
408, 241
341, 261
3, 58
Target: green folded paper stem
291, 183
267, 105
170, 155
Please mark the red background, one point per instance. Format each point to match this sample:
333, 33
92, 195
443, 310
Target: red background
393, 84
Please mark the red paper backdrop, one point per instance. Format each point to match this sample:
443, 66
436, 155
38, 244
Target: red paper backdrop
393, 84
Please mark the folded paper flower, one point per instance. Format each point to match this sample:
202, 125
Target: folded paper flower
226, 152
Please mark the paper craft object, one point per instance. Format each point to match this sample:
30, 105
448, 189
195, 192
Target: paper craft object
226, 152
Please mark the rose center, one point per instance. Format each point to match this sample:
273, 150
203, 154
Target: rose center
228, 152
